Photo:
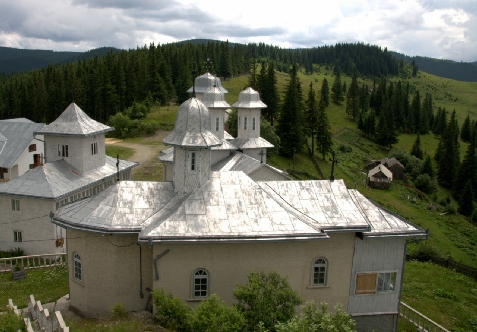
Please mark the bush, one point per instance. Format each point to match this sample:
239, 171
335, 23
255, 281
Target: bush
9, 321
14, 252
315, 319
266, 298
119, 311
424, 252
214, 315
426, 184
171, 311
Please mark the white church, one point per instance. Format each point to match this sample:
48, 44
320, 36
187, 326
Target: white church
218, 216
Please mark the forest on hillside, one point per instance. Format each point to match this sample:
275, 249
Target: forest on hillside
106, 85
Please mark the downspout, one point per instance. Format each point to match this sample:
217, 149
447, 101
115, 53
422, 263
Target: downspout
141, 295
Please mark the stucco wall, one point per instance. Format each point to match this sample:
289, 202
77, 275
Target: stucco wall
214, 114
111, 273
79, 151
26, 158
33, 220
228, 264
250, 114
377, 255
256, 154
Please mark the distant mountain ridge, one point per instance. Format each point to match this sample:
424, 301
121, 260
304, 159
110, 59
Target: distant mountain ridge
460, 71
15, 60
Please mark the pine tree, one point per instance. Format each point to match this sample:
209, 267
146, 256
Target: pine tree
325, 92
427, 168
352, 98
290, 128
311, 116
324, 142
252, 82
465, 131
449, 158
466, 201
467, 170
271, 97
336, 90
416, 148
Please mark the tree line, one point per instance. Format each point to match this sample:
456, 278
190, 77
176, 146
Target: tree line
106, 85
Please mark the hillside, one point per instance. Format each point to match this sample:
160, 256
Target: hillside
461, 71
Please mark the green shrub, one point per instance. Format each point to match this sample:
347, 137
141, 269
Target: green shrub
14, 252
424, 252
426, 184
119, 311
267, 298
214, 315
171, 311
9, 321
315, 319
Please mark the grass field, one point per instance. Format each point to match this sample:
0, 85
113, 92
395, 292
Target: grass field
123, 152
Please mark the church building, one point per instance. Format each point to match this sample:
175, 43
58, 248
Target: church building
203, 231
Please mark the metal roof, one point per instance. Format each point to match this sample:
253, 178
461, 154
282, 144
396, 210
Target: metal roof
227, 136
166, 155
225, 146
192, 127
74, 122
249, 98
214, 98
59, 179
206, 81
122, 207
380, 168
15, 137
251, 143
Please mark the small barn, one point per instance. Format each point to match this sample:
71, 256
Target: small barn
380, 177
392, 164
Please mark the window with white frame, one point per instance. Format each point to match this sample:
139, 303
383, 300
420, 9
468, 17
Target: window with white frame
378, 282
253, 123
200, 284
245, 123
78, 267
62, 150
94, 148
192, 161
17, 236
217, 124
320, 267
15, 204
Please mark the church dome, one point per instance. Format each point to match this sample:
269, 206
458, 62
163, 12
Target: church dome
215, 98
204, 82
249, 98
192, 128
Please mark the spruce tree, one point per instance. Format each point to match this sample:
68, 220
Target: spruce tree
352, 99
467, 170
427, 168
449, 157
311, 116
325, 92
290, 128
324, 142
336, 90
465, 131
466, 201
416, 148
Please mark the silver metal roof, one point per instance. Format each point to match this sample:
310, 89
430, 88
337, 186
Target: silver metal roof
74, 122
15, 137
249, 98
229, 207
205, 82
225, 146
251, 143
192, 127
59, 179
122, 207
214, 98
227, 136
166, 155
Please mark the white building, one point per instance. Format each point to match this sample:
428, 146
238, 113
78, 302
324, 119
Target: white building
20, 149
202, 232
75, 167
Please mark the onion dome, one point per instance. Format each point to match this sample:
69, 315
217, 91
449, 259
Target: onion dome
192, 128
204, 82
214, 98
249, 98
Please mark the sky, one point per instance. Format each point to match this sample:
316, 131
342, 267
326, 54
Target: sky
432, 28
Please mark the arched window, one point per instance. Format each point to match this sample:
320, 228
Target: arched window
78, 270
200, 287
320, 266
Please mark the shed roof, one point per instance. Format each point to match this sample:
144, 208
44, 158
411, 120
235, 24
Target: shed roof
74, 122
15, 137
59, 179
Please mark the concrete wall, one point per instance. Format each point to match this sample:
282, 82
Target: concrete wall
168, 171
79, 151
111, 273
25, 159
33, 220
381, 323
229, 263
377, 255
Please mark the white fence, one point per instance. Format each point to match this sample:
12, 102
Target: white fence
47, 322
423, 323
32, 261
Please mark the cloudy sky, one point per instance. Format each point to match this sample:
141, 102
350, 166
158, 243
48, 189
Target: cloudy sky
435, 28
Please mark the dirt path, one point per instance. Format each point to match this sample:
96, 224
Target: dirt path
145, 153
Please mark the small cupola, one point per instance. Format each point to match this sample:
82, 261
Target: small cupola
204, 83
192, 140
214, 99
249, 108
